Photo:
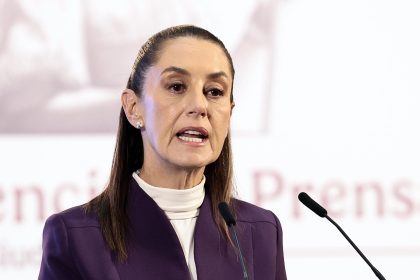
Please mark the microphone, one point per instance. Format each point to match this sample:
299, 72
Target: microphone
320, 211
231, 223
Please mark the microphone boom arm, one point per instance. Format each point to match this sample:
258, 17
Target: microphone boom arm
241, 258
377, 273
320, 211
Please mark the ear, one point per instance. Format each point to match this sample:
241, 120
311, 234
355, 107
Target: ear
232, 105
129, 101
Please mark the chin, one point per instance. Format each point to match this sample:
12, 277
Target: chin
194, 162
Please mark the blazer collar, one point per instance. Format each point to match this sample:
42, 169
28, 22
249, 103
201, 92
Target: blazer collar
156, 253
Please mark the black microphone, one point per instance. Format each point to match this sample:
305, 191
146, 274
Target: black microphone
231, 223
320, 211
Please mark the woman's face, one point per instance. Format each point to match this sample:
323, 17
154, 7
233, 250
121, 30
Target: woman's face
186, 105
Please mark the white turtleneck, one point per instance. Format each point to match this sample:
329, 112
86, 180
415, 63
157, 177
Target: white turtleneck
182, 208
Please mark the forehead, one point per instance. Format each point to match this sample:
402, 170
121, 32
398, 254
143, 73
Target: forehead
194, 55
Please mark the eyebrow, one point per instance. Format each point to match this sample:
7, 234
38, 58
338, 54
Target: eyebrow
185, 72
176, 69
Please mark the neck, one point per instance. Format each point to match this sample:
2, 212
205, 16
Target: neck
173, 178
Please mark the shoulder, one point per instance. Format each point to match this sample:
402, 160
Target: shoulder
250, 213
75, 217
71, 240
265, 234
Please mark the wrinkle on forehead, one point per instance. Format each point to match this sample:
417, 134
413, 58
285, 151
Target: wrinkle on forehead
194, 54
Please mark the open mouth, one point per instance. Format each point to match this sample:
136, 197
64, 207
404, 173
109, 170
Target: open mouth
195, 135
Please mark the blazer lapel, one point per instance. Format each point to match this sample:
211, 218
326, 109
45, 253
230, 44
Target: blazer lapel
154, 251
214, 257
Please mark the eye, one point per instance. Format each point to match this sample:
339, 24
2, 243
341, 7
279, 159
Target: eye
177, 87
215, 92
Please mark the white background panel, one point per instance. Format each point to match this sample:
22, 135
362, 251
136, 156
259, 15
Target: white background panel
327, 98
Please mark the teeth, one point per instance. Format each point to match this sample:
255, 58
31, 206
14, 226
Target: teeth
193, 132
190, 139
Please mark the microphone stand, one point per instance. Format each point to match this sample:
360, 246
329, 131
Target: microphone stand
377, 273
320, 211
241, 258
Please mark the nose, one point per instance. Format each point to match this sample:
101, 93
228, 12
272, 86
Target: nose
197, 104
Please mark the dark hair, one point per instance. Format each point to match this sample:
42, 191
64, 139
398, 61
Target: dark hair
110, 205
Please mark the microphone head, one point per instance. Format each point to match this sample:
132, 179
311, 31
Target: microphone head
312, 204
226, 214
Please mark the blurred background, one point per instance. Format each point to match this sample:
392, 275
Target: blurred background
327, 101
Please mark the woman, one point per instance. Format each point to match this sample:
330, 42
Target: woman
158, 218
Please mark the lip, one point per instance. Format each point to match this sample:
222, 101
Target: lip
201, 130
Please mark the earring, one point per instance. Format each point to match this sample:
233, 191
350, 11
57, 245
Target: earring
139, 125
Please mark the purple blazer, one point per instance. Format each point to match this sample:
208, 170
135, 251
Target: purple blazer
73, 246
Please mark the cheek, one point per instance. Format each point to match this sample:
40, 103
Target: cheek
153, 111
222, 122
160, 119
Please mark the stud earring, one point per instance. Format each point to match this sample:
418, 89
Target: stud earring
139, 125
